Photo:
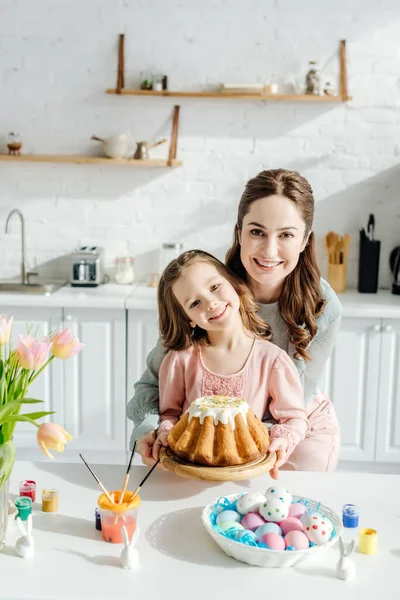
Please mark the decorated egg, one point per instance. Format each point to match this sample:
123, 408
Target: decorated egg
252, 521
273, 541
317, 527
250, 502
227, 515
225, 525
291, 524
297, 539
267, 528
277, 491
297, 510
248, 535
274, 510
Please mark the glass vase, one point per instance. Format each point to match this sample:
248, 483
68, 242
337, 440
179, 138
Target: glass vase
3, 512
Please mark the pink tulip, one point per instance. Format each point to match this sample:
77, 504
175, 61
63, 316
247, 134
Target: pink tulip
32, 354
5, 329
51, 435
65, 344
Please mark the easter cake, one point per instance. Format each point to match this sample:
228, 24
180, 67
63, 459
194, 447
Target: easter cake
219, 431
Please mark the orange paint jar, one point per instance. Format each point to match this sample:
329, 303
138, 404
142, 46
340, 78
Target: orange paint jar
114, 516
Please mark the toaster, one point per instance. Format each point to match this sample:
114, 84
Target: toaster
87, 268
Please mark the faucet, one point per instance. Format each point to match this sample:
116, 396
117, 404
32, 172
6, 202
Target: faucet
19, 214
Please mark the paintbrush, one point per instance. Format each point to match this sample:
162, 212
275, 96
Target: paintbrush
125, 484
143, 481
98, 480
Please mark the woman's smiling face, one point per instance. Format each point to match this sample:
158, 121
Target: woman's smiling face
271, 240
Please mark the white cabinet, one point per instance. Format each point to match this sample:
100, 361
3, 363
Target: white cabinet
95, 381
388, 422
352, 382
49, 385
362, 378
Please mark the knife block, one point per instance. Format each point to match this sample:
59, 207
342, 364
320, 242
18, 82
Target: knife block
337, 277
368, 266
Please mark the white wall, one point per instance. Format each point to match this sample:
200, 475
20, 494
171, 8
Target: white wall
57, 57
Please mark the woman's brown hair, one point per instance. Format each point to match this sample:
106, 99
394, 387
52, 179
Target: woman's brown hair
173, 321
300, 300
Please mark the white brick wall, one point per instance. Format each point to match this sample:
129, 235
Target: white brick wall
58, 56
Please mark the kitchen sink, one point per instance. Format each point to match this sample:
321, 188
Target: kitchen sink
42, 287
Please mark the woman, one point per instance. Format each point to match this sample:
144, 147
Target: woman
274, 252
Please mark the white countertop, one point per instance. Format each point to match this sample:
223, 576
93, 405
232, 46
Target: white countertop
178, 559
140, 297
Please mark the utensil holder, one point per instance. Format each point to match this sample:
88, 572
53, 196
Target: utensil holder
337, 277
368, 266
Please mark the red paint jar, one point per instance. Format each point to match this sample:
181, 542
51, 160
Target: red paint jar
28, 488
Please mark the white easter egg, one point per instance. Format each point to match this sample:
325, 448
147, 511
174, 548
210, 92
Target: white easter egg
274, 510
227, 515
250, 502
277, 491
317, 527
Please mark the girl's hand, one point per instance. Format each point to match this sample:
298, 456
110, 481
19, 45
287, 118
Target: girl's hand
144, 447
161, 442
278, 445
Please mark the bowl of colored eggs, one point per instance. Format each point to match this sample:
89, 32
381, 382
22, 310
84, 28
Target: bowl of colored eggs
274, 529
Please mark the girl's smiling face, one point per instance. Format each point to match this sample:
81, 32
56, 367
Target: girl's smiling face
208, 299
271, 240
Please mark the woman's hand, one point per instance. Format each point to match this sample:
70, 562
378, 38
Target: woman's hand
145, 446
278, 445
161, 442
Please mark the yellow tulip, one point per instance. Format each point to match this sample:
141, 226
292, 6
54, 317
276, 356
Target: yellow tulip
5, 329
51, 435
65, 344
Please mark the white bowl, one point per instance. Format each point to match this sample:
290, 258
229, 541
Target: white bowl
263, 557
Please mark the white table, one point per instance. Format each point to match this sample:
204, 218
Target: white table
178, 560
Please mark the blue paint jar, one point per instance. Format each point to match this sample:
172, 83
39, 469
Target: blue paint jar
98, 519
350, 515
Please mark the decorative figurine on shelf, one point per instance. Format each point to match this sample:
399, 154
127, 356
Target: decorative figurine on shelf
14, 143
346, 568
313, 79
24, 545
129, 554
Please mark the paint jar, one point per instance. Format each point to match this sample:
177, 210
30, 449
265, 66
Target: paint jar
350, 515
367, 541
97, 518
23, 504
115, 516
28, 488
49, 500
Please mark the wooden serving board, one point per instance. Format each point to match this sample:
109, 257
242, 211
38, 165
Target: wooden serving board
184, 468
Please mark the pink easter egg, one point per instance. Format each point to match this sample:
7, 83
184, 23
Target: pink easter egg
297, 510
274, 541
252, 521
298, 539
290, 524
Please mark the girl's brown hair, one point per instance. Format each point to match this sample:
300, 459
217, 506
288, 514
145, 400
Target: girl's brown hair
301, 298
173, 321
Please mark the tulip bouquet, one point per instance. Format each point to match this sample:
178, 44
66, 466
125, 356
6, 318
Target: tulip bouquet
19, 367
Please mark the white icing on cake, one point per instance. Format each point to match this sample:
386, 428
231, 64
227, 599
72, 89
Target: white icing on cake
223, 409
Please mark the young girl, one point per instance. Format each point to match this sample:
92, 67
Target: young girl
218, 345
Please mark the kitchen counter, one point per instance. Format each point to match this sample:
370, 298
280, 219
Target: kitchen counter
178, 559
140, 297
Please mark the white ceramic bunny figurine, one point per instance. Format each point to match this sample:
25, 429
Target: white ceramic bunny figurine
129, 554
346, 568
24, 545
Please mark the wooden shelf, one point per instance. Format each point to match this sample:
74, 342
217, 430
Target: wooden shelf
90, 160
225, 95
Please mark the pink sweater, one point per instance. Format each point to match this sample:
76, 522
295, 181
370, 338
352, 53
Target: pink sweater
268, 381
